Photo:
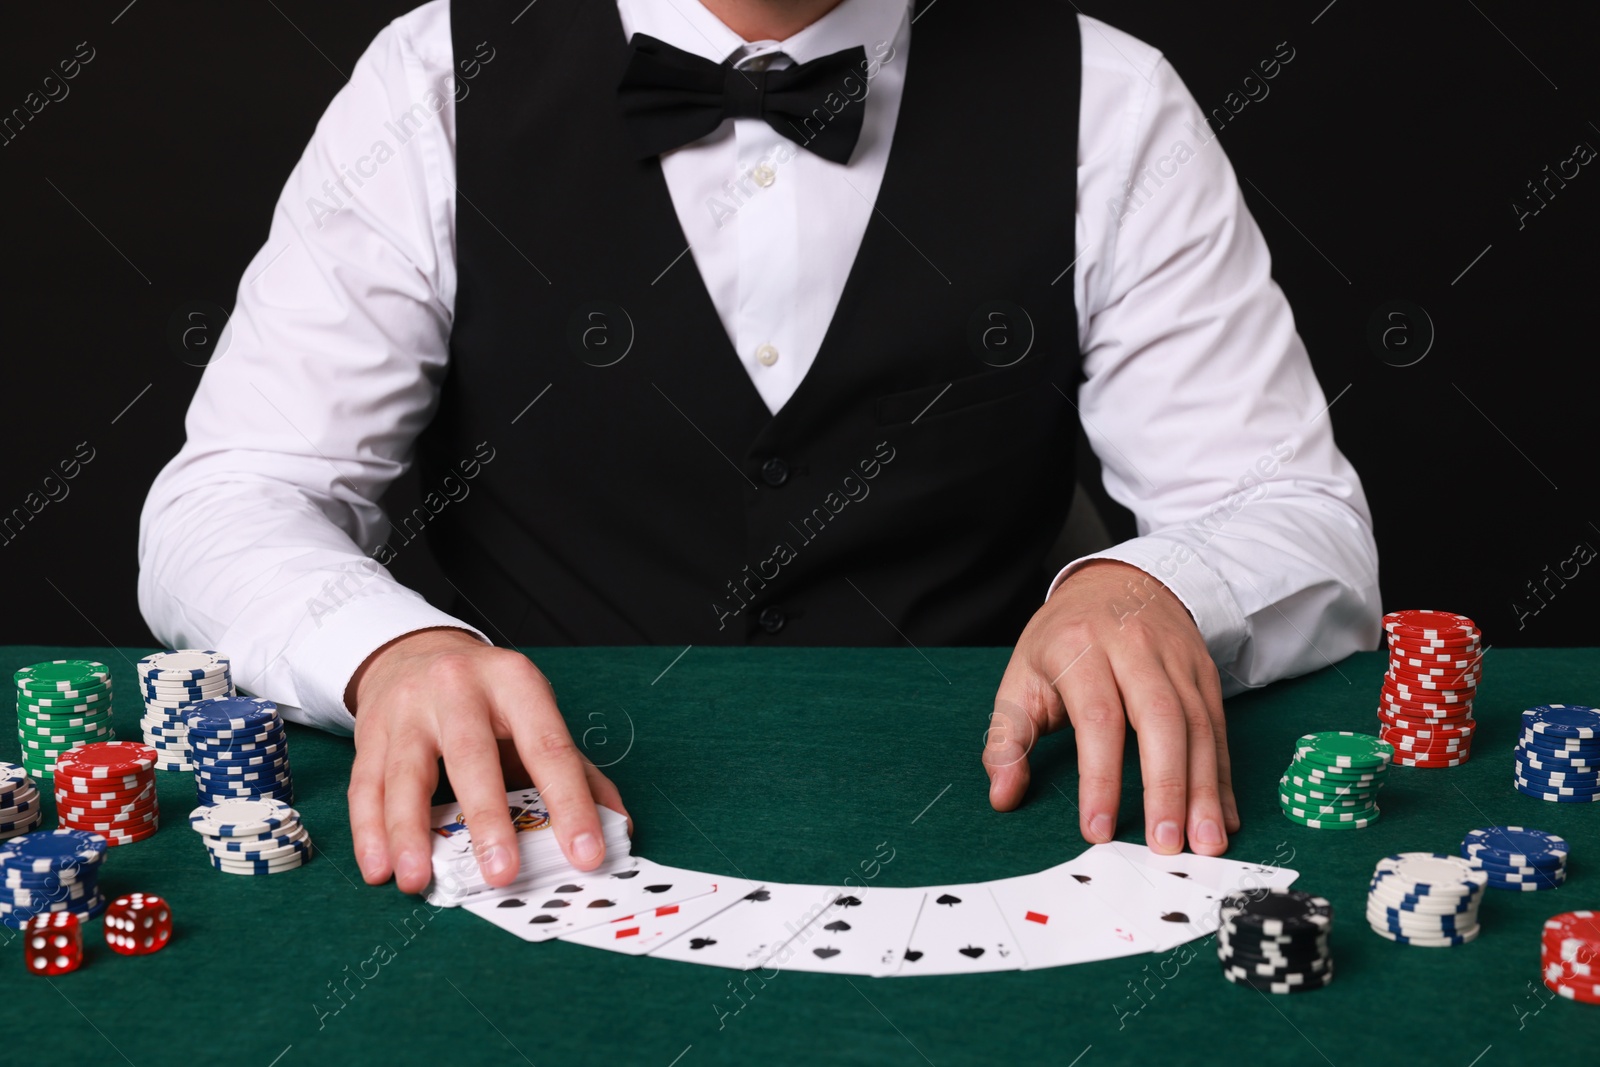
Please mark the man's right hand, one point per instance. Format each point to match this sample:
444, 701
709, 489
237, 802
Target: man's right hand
445, 693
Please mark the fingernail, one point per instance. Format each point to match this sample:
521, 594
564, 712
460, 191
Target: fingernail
585, 848
494, 860
1208, 833
1168, 835
409, 868
1100, 828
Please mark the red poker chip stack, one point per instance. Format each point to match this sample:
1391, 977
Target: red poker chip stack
108, 788
1435, 663
1571, 955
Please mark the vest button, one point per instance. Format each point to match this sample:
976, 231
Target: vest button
771, 620
775, 472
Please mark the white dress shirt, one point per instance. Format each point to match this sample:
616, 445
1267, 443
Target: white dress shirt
1199, 401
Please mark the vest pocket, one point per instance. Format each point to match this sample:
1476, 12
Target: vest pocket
957, 395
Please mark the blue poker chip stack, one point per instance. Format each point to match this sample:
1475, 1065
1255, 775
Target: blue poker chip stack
20, 812
1428, 899
1517, 858
48, 871
1558, 754
240, 750
172, 683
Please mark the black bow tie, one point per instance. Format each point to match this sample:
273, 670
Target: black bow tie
670, 97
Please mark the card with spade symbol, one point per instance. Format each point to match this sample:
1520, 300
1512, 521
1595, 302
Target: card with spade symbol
1055, 920
586, 901
750, 934
639, 933
863, 931
960, 931
1215, 876
1166, 911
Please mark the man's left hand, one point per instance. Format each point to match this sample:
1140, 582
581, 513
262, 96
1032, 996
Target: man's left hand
1113, 646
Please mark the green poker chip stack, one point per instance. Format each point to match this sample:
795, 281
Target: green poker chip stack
1334, 779
61, 704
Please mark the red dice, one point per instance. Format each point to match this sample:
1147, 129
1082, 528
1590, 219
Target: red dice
138, 924
54, 943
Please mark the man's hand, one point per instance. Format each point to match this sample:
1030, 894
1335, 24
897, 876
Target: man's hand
1113, 641
445, 693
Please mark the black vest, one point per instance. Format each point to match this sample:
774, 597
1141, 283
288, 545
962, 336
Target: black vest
909, 489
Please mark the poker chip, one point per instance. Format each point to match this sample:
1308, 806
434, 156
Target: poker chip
20, 809
109, 789
184, 665
1344, 748
1425, 704
1332, 783
252, 836
50, 871
1413, 730
1450, 761
1570, 955
1427, 899
62, 676
1548, 773
1558, 746
242, 818
172, 682
1556, 761
1563, 721
61, 705
1555, 794
1275, 940
1509, 848
110, 759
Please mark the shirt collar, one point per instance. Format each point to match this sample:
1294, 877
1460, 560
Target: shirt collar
686, 24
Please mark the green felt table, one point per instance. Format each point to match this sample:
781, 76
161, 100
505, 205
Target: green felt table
802, 766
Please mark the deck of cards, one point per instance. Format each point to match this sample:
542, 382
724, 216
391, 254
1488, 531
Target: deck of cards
1112, 900
456, 877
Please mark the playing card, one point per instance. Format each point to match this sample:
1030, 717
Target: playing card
1167, 911
1055, 920
748, 935
1217, 877
960, 931
637, 934
863, 931
586, 901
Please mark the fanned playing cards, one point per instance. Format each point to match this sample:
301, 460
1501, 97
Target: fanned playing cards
1112, 900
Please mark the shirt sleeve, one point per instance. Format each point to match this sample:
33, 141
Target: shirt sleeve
257, 538
1200, 400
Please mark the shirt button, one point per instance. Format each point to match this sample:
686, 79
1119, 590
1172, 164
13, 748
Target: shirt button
766, 355
759, 63
764, 175
774, 472
771, 620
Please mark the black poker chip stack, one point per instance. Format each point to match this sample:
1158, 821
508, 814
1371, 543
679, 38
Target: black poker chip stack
1276, 940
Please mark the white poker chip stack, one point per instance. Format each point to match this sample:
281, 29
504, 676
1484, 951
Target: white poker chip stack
1425, 898
20, 812
252, 836
171, 683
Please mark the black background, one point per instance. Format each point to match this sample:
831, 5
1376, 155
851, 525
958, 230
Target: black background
1383, 165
